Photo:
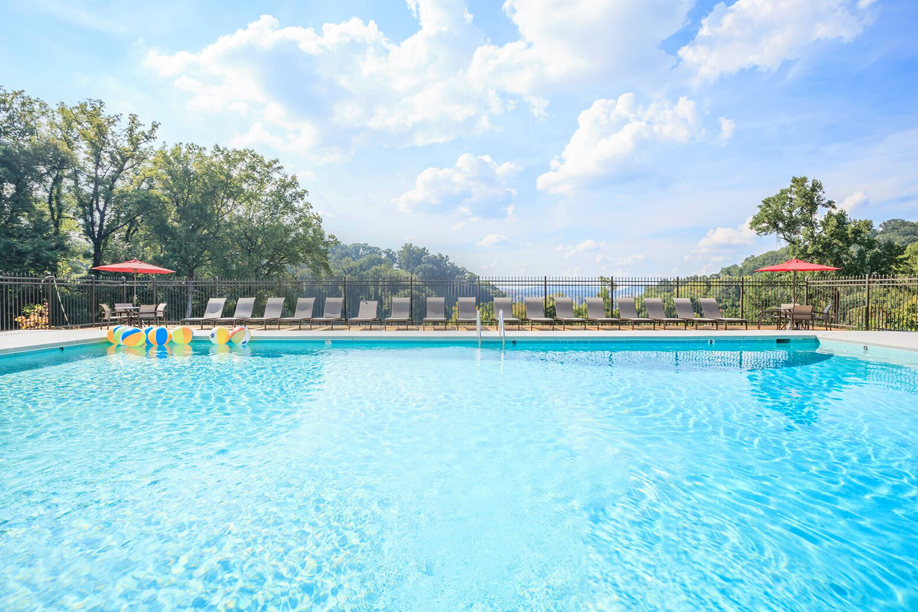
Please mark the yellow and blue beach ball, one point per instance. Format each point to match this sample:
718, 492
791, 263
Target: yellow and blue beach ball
146, 332
240, 335
120, 332
219, 335
112, 334
158, 336
132, 337
182, 335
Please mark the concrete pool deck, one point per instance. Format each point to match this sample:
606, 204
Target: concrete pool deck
846, 342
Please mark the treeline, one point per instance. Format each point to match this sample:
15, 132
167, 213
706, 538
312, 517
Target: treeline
80, 187
367, 261
814, 228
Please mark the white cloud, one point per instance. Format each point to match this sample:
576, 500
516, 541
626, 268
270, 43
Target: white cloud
853, 201
562, 44
475, 186
493, 240
727, 127
569, 250
721, 238
764, 34
614, 134
346, 85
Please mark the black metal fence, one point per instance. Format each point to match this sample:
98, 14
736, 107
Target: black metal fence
856, 303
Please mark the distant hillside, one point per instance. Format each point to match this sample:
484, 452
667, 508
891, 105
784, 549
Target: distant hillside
364, 260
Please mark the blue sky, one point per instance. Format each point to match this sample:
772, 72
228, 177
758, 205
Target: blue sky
530, 137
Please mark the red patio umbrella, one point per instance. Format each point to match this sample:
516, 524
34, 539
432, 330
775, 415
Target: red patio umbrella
134, 267
796, 265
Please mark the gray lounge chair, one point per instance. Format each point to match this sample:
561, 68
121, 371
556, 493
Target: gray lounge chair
161, 313
366, 314
332, 313
627, 312
244, 308
686, 312
274, 308
711, 310
657, 312
505, 304
303, 312
564, 312
401, 312
146, 313
212, 312
594, 307
467, 312
535, 313
436, 309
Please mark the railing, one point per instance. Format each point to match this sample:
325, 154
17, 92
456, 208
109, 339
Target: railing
856, 303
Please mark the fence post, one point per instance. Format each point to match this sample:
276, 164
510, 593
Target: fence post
677, 286
94, 305
544, 292
867, 303
742, 297
806, 289
344, 297
478, 299
411, 297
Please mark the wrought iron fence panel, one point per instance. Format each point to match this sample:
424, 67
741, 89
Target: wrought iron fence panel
854, 303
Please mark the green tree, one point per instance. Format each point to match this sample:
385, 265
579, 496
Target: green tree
832, 238
899, 230
275, 228
106, 181
31, 167
792, 213
908, 262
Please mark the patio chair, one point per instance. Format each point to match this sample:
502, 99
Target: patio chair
161, 313
826, 316
802, 315
366, 314
146, 312
711, 310
244, 308
596, 313
303, 312
564, 312
436, 309
686, 312
657, 312
109, 317
401, 312
274, 308
505, 305
467, 312
627, 311
212, 312
332, 313
535, 313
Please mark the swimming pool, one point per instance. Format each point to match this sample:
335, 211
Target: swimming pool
434, 476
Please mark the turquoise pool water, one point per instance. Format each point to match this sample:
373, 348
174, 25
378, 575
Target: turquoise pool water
410, 476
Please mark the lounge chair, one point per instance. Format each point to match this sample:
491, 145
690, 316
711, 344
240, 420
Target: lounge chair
657, 312
146, 312
303, 312
244, 308
595, 306
274, 308
686, 312
826, 316
803, 314
627, 312
564, 312
712, 311
401, 312
535, 313
109, 317
212, 312
436, 309
366, 314
467, 312
332, 313
505, 305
